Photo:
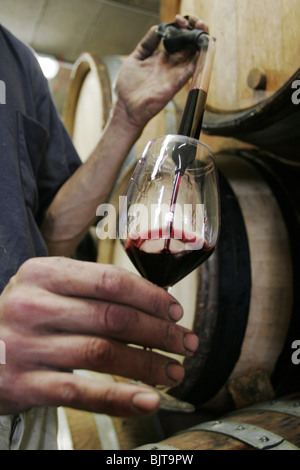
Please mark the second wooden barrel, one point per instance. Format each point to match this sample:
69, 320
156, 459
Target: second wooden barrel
264, 426
243, 301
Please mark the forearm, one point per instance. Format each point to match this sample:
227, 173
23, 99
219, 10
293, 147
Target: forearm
73, 209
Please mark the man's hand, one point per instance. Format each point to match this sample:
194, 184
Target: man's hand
58, 314
149, 78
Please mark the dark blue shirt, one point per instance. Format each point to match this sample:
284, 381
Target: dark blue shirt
36, 155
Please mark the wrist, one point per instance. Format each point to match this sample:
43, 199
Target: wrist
127, 126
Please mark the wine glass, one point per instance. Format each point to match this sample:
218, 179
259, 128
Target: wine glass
169, 218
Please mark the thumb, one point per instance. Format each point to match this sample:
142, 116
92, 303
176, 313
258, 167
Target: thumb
147, 45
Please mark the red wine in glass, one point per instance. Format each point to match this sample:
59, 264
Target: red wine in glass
167, 266
168, 242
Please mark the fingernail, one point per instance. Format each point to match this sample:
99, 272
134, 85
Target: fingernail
146, 401
191, 342
175, 312
175, 372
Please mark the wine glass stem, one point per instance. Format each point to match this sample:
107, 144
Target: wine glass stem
146, 348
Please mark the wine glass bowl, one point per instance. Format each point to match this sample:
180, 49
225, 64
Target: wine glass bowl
169, 217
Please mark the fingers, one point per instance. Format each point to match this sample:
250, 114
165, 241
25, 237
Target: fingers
197, 23
182, 21
65, 352
121, 322
63, 389
151, 40
147, 45
82, 298
69, 314
102, 282
87, 302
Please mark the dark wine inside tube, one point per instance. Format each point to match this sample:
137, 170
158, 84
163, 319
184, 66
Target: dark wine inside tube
192, 118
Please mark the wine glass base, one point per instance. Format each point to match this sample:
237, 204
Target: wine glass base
169, 403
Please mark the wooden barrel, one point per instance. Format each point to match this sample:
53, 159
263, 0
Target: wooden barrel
242, 302
264, 426
89, 102
255, 73
83, 430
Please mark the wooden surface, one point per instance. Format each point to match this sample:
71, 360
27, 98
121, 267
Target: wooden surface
264, 418
279, 423
251, 34
168, 10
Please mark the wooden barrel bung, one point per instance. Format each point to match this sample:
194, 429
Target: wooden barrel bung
257, 79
